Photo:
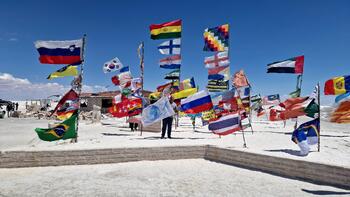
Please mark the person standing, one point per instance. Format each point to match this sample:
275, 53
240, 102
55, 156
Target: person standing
167, 122
8, 109
16, 106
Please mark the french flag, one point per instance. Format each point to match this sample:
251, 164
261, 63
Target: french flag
226, 124
197, 103
60, 52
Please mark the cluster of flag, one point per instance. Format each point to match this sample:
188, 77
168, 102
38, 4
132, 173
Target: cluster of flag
216, 39
70, 53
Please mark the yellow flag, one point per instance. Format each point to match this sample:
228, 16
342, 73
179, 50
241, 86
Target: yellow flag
184, 93
64, 72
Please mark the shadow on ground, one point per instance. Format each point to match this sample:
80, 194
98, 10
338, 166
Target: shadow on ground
324, 192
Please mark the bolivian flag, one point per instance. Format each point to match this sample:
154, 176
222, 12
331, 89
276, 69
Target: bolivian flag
337, 85
166, 30
69, 70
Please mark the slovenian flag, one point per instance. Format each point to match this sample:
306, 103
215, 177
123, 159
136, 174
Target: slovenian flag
292, 65
226, 124
197, 103
172, 62
60, 52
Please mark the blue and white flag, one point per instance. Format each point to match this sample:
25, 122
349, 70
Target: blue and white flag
157, 111
170, 47
306, 134
112, 65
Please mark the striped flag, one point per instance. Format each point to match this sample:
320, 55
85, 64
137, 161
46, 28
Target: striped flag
197, 103
166, 30
60, 52
217, 60
172, 62
170, 47
222, 75
292, 65
226, 124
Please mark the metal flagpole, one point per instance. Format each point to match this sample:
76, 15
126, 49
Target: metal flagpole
79, 86
319, 117
141, 56
299, 82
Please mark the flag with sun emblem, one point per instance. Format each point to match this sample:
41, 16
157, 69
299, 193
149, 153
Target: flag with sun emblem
64, 130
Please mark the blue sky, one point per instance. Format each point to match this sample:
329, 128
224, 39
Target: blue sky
261, 32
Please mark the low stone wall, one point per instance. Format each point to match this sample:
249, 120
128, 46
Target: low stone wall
296, 169
20, 159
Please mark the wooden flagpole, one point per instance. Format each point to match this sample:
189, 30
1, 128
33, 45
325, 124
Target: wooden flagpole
80, 85
319, 117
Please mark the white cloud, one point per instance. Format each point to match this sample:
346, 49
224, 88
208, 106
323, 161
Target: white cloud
13, 88
13, 39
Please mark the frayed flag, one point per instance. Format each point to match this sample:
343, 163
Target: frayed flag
226, 124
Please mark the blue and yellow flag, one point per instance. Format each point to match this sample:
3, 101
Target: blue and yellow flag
69, 70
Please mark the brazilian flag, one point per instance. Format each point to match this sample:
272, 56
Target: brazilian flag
64, 130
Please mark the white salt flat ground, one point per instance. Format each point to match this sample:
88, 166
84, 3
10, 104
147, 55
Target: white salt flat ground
193, 177
269, 138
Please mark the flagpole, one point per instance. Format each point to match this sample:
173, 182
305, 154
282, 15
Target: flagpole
299, 82
244, 143
80, 85
142, 72
319, 118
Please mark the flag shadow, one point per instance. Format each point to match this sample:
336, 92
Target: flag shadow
115, 134
288, 151
324, 192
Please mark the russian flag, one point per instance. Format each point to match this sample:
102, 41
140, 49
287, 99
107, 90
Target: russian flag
60, 52
226, 124
197, 103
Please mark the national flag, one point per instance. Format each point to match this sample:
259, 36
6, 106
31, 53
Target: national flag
112, 65
187, 84
240, 79
124, 69
222, 75
65, 71
154, 96
68, 109
157, 111
244, 91
175, 74
184, 93
342, 97
217, 85
341, 113
127, 107
170, 47
208, 115
162, 87
226, 124
217, 70
64, 130
218, 60
271, 99
60, 52
246, 103
115, 80
337, 85
71, 95
197, 103
306, 134
216, 38
171, 62
294, 107
230, 105
295, 94
136, 83
125, 80
166, 30
255, 98
292, 65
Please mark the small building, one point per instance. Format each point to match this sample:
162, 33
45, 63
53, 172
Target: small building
101, 99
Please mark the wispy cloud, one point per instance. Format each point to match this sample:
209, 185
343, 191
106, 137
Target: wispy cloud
14, 88
13, 39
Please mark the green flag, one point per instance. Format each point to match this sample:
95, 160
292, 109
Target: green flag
64, 130
295, 94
